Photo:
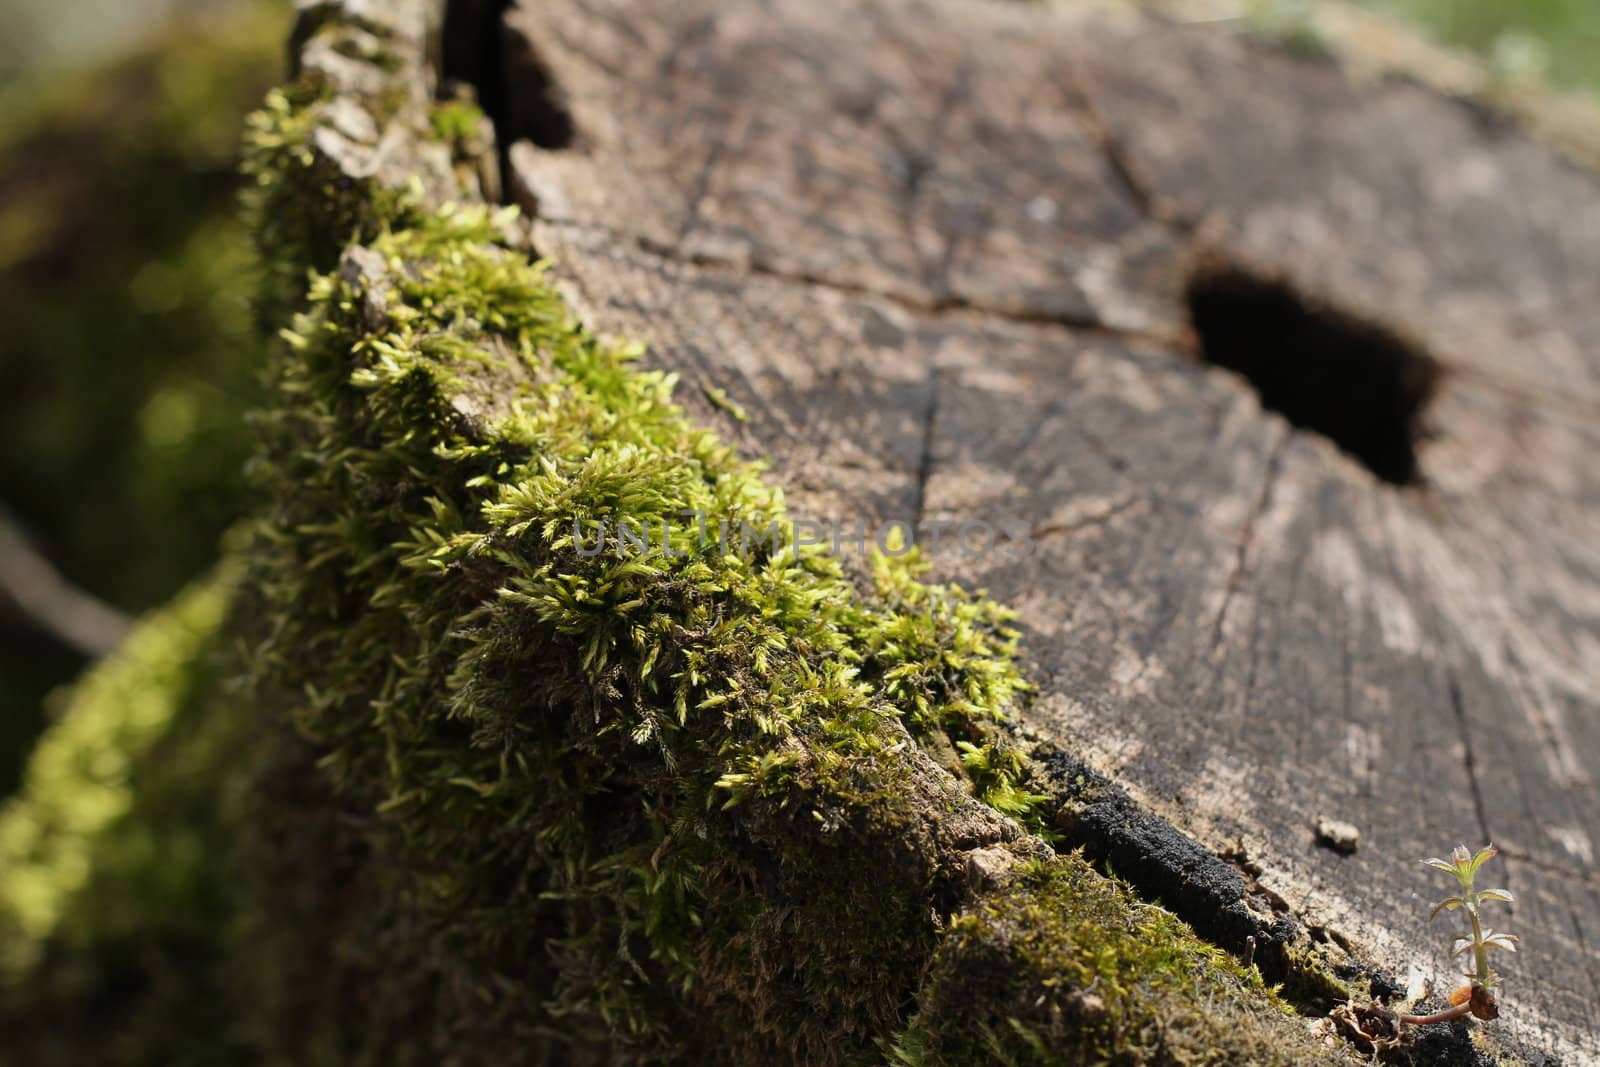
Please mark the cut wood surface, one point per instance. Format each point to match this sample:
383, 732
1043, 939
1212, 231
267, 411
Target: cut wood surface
946, 255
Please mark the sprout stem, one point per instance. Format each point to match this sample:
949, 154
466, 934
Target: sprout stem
1480, 951
1438, 1017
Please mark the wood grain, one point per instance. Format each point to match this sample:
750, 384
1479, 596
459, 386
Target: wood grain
939, 251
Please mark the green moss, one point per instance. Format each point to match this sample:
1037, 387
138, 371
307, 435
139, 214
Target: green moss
947, 659
1291, 24
303, 204
112, 886
1062, 966
457, 120
80, 781
302, 209
720, 400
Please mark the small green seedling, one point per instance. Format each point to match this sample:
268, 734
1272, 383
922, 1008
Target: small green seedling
1478, 997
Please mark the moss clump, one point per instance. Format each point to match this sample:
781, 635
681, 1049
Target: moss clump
113, 896
947, 659
679, 759
1062, 967
304, 209
459, 122
302, 193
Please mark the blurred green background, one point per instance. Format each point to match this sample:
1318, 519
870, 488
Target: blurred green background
127, 358
127, 355
1559, 39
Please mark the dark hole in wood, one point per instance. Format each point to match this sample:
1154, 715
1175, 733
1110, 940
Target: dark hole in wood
471, 52
510, 81
1323, 369
536, 106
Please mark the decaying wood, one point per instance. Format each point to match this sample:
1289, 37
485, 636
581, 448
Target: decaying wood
941, 253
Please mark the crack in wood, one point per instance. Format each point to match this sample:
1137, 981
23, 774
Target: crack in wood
1120, 164
1247, 535
950, 305
1468, 755
1549, 867
727, 135
925, 459
1087, 522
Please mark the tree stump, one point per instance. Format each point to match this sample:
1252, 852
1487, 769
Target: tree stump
1261, 394
1290, 380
